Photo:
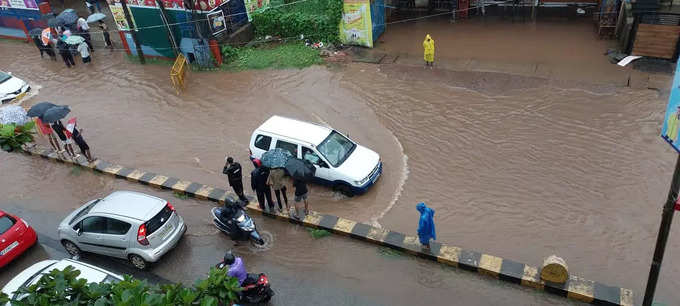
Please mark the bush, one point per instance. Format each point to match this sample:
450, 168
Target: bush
229, 54
318, 20
290, 55
13, 136
65, 288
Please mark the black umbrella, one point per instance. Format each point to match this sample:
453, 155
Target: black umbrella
275, 158
300, 169
35, 32
54, 22
55, 113
68, 16
39, 109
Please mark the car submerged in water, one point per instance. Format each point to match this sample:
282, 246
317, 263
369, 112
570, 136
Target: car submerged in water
12, 88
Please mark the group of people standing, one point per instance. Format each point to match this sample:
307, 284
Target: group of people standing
65, 137
59, 35
262, 181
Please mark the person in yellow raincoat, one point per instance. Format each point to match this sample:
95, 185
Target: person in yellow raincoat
428, 45
672, 126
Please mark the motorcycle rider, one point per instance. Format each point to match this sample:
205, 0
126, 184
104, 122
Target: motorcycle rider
236, 268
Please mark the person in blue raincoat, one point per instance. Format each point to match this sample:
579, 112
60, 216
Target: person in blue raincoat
426, 225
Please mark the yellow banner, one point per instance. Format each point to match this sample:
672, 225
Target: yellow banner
356, 27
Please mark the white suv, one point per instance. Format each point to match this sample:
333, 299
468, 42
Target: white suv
125, 224
340, 162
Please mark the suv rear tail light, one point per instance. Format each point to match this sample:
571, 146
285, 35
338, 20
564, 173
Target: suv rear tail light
141, 235
171, 207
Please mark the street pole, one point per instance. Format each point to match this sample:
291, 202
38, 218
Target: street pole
664, 231
133, 31
164, 18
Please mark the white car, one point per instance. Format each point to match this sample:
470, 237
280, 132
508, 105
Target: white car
340, 162
33, 273
11, 87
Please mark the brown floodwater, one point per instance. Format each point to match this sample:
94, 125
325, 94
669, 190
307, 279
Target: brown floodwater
514, 166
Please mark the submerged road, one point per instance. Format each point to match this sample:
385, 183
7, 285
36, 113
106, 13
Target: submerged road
332, 270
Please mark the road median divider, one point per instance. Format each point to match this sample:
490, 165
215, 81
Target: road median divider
507, 270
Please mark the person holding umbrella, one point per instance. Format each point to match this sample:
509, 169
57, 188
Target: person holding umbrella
84, 52
258, 181
301, 171
60, 130
84, 31
37, 111
65, 53
275, 159
301, 194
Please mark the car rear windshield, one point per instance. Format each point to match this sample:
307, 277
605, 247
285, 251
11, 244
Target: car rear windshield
6, 222
158, 220
4, 77
84, 211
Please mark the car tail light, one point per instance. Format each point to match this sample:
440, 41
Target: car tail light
141, 235
171, 207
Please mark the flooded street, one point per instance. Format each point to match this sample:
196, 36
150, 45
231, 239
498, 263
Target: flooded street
513, 166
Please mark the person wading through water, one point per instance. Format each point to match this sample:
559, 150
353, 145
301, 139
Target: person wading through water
235, 177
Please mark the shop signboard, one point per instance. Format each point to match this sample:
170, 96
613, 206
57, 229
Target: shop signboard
355, 27
255, 6
217, 21
671, 122
19, 4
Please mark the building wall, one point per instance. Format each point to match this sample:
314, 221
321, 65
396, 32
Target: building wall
19, 17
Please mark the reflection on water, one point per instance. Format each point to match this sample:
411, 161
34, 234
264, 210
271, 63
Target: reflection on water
512, 167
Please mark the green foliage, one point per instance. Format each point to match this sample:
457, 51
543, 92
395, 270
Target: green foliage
229, 54
318, 20
65, 288
319, 233
292, 55
180, 195
13, 136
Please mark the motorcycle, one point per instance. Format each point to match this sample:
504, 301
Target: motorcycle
255, 288
234, 221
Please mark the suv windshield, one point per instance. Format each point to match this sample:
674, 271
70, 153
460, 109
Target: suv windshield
4, 77
84, 211
336, 148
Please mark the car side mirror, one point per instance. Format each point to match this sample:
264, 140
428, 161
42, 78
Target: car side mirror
79, 231
9, 73
323, 164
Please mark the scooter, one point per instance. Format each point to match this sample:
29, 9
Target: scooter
234, 221
256, 288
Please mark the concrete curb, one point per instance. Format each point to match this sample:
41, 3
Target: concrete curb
575, 288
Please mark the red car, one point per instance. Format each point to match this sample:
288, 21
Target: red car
16, 236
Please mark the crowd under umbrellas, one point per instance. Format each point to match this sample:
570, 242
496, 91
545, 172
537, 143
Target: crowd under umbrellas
48, 118
69, 34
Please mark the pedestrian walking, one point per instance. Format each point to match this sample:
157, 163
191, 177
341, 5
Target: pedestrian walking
77, 135
258, 181
428, 45
65, 53
84, 31
105, 32
60, 130
277, 182
46, 130
84, 53
235, 177
38, 43
426, 225
301, 194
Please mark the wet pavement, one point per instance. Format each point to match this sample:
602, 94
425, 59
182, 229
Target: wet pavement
363, 275
516, 166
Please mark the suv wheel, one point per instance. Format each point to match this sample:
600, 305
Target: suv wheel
344, 189
71, 248
138, 261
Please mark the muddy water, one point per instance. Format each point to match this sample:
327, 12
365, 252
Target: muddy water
513, 167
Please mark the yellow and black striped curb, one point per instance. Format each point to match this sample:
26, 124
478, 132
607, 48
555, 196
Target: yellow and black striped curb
575, 288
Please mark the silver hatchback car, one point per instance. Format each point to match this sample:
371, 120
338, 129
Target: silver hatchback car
125, 224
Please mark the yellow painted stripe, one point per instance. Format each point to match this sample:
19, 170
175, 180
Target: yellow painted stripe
158, 180
135, 175
113, 169
376, 234
344, 226
581, 289
203, 192
531, 279
181, 185
449, 255
627, 297
312, 219
490, 265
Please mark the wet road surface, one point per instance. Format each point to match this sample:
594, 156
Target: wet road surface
518, 167
44, 192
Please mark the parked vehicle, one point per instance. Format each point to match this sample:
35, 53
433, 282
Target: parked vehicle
33, 274
125, 224
235, 222
16, 236
256, 287
340, 162
12, 88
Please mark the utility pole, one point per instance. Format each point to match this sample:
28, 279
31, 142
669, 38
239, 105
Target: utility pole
664, 231
133, 31
164, 17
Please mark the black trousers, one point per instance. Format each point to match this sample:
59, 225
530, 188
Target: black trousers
278, 193
238, 189
86, 35
265, 194
68, 58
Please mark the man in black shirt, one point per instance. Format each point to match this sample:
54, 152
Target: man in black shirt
258, 181
235, 176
